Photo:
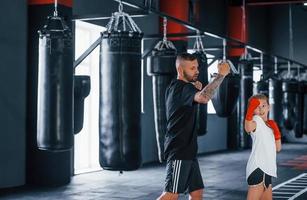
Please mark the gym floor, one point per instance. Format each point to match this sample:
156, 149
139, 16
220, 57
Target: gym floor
223, 174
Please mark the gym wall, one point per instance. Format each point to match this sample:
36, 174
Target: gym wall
13, 65
280, 31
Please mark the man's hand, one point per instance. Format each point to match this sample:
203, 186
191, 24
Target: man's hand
198, 85
223, 68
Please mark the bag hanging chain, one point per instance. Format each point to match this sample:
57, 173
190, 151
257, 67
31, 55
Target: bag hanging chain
198, 45
164, 44
124, 19
232, 67
55, 13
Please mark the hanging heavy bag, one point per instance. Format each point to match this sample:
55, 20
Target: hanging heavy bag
246, 91
120, 95
289, 89
263, 87
299, 124
161, 66
201, 110
226, 96
275, 99
55, 87
305, 108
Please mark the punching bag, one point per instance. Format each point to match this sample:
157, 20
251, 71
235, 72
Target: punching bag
275, 99
226, 96
161, 65
263, 87
305, 108
82, 87
120, 95
246, 91
160, 81
55, 86
290, 88
299, 124
201, 110
305, 113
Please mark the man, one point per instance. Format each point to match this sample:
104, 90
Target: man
182, 96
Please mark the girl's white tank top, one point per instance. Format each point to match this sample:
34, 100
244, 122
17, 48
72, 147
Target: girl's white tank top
263, 153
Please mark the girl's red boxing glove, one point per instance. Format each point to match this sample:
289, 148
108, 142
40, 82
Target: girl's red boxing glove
275, 128
253, 104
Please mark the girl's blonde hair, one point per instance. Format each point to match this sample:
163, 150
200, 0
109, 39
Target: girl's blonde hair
259, 96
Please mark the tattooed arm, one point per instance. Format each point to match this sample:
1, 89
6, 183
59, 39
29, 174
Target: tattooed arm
207, 92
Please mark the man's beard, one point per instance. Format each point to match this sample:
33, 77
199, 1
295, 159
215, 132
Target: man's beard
189, 78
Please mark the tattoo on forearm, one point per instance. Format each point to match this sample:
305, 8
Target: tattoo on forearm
208, 91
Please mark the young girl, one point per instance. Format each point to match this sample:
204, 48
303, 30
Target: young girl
266, 136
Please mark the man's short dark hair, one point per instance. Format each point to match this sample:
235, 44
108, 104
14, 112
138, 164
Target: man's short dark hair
186, 56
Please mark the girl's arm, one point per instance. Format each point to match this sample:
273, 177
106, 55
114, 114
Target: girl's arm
249, 126
278, 145
277, 134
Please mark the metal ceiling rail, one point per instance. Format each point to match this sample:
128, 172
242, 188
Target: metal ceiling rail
272, 2
195, 28
215, 48
99, 17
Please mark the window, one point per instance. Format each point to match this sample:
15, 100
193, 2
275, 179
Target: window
86, 149
257, 75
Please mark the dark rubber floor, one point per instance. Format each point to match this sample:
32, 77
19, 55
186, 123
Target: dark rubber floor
223, 175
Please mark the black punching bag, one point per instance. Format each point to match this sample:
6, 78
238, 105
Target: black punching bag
263, 86
161, 66
275, 99
82, 87
201, 112
305, 108
289, 89
55, 87
120, 97
246, 91
299, 124
226, 96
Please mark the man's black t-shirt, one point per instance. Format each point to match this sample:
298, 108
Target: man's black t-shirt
181, 139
